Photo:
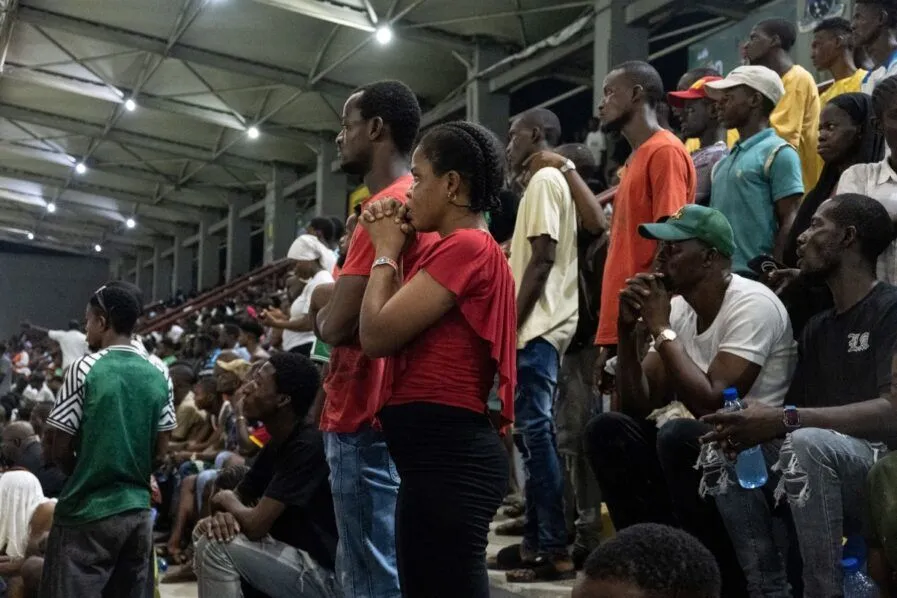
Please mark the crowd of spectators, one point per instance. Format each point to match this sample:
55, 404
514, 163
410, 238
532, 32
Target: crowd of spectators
352, 427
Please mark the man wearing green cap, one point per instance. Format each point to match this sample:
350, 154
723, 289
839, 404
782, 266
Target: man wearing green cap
720, 330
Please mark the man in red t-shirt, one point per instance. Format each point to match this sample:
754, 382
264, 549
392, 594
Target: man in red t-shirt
379, 125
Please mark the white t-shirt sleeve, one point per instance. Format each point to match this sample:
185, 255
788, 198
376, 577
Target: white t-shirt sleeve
751, 328
55, 335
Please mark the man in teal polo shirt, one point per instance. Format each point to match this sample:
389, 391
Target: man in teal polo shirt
758, 186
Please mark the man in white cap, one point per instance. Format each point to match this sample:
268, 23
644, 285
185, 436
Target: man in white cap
758, 186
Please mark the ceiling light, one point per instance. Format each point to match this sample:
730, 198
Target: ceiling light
51, 207
130, 105
98, 248
31, 236
252, 132
130, 223
80, 168
383, 35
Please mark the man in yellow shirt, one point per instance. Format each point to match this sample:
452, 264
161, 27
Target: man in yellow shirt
796, 117
832, 51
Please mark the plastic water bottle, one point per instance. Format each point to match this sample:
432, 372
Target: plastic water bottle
750, 466
162, 564
856, 583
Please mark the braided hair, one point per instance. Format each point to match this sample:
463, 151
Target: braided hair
474, 153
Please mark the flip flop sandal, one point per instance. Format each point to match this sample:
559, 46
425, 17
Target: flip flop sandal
507, 558
542, 569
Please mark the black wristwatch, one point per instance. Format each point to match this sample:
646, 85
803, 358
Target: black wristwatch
791, 417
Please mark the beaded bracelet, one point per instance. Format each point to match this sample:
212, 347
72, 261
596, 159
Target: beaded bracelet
385, 261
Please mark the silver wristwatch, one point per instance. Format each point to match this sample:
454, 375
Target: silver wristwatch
568, 166
667, 334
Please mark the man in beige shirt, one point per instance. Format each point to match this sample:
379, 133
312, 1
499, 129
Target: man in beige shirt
544, 263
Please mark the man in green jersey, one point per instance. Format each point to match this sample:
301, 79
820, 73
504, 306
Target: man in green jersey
110, 422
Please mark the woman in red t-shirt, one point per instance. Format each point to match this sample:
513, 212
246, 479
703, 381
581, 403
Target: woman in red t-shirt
451, 329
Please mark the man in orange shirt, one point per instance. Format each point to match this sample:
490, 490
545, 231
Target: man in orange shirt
380, 122
659, 178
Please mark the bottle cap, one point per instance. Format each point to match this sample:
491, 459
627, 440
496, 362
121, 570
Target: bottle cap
850, 564
730, 394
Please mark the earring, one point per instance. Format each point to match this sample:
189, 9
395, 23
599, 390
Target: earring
452, 196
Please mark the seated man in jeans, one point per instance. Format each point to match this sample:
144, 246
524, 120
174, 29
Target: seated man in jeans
721, 330
822, 445
284, 545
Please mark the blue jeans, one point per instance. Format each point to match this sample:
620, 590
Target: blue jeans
365, 486
277, 569
545, 530
822, 475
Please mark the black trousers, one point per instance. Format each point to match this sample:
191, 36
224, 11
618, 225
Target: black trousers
454, 472
648, 475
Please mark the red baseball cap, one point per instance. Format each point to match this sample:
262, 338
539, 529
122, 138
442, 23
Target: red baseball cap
695, 92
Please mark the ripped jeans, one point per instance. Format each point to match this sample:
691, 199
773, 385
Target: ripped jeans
823, 476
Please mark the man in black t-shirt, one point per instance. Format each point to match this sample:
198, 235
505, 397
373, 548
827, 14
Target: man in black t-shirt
277, 531
836, 415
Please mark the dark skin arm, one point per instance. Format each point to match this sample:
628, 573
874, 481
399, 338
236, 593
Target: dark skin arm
786, 210
700, 392
301, 324
588, 207
392, 314
255, 522
337, 322
60, 449
535, 276
871, 420
641, 386
875, 420
314, 414
162, 439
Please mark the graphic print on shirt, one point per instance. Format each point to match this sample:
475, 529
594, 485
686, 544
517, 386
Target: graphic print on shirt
857, 342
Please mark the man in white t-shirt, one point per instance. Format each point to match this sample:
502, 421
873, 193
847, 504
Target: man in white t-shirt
72, 342
719, 331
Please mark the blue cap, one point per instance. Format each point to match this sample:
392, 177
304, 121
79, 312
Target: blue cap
730, 394
850, 564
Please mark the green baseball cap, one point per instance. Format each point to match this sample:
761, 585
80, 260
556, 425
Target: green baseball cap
693, 222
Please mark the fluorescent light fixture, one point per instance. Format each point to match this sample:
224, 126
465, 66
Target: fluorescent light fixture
130, 223
383, 35
80, 168
51, 207
130, 105
252, 132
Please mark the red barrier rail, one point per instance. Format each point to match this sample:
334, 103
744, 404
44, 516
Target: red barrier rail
215, 296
